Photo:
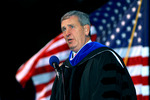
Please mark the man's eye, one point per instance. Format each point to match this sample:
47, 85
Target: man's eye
72, 26
63, 29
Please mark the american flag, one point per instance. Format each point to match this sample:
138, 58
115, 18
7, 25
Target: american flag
111, 25
114, 24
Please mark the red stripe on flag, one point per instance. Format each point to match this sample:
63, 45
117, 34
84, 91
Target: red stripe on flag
140, 97
56, 50
145, 98
145, 80
48, 93
137, 60
140, 80
93, 37
43, 69
27, 77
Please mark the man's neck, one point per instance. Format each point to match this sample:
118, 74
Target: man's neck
74, 53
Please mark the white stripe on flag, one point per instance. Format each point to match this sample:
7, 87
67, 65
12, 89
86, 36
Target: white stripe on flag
145, 90
93, 30
43, 78
26, 69
46, 98
137, 70
41, 93
57, 44
45, 61
145, 71
142, 89
134, 51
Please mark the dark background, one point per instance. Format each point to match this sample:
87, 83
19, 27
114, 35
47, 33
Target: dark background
27, 25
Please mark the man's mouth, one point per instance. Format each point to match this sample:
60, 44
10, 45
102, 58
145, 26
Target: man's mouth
70, 40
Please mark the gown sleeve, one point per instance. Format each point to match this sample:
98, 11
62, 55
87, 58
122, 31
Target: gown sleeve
109, 80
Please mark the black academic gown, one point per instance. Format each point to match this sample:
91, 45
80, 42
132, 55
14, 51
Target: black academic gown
101, 75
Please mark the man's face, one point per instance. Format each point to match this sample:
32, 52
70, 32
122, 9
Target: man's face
74, 34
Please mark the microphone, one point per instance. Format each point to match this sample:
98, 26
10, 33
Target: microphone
54, 62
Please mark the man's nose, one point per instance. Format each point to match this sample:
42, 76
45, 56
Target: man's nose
68, 32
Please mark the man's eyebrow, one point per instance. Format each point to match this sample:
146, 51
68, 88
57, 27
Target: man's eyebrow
63, 27
70, 25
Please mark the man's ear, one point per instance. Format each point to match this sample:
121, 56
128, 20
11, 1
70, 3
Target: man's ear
87, 30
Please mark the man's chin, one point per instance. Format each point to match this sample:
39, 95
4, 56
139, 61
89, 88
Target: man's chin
71, 47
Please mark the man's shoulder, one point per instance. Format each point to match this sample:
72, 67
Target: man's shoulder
99, 51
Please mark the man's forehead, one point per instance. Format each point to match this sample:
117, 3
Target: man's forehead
71, 20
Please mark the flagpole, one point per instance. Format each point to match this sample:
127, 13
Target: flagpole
132, 35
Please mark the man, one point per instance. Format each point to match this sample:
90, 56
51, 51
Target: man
92, 71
